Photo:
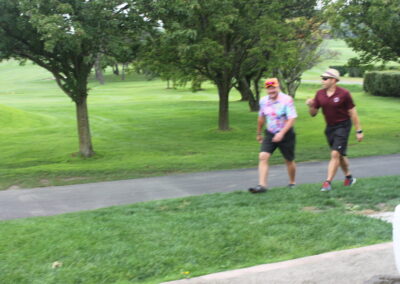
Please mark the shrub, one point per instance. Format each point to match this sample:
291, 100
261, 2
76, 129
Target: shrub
359, 71
354, 71
382, 83
397, 68
341, 68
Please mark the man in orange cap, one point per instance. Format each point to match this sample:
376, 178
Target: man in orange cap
278, 113
339, 111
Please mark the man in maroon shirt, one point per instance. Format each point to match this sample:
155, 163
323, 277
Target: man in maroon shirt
339, 111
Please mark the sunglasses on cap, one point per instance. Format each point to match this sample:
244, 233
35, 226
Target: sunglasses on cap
270, 84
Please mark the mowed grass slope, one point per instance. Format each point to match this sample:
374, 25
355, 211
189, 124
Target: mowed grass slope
172, 239
140, 128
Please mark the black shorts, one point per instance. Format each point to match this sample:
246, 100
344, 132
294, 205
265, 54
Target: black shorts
286, 146
338, 136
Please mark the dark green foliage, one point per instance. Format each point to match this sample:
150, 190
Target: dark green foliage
352, 71
370, 27
384, 83
66, 38
341, 68
356, 69
228, 42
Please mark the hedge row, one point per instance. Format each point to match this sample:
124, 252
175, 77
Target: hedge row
383, 83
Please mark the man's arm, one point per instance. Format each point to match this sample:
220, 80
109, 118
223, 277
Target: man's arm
260, 125
356, 121
279, 136
311, 109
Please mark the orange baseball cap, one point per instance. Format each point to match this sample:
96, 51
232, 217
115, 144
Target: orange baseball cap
271, 82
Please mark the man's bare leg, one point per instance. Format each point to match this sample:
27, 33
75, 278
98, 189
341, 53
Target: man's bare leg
291, 168
263, 168
344, 164
333, 165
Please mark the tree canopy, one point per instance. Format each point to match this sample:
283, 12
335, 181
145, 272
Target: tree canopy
370, 27
65, 37
223, 39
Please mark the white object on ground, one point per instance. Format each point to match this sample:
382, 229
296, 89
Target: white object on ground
396, 237
384, 216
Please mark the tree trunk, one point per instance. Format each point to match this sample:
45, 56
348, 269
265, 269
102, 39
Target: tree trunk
223, 118
98, 70
292, 87
254, 104
123, 72
196, 85
245, 89
256, 83
244, 95
85, 140
116, 69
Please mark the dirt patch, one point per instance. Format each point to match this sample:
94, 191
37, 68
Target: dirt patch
14, 187
353, 207
45, 181
366, 212
74, 178
184, 204
383, 207
312, 209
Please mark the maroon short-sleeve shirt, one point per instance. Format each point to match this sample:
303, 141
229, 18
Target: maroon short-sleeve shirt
336, 107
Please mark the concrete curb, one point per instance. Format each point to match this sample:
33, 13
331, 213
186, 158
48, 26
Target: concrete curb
286, 266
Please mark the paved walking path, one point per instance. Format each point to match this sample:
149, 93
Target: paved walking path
22, 203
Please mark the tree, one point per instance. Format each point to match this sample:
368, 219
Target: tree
303, 51
286, 53
370, 27
248, 79
65, 37
160, 59
215, 37
98, 69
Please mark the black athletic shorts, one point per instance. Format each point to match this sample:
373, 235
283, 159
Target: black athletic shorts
286, 146
338, 136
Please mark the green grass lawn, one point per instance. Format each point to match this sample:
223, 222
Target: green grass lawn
161, 240
140, 128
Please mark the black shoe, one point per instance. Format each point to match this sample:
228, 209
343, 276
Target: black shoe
258, 189
291, 185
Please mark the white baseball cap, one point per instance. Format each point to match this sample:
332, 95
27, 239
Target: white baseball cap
331, 73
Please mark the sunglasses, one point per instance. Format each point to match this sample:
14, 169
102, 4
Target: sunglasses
326, 78
268, 84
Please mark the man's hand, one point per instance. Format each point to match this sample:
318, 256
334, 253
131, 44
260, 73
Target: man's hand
310, 102
259, 138
360, 136
311, 109
278, 137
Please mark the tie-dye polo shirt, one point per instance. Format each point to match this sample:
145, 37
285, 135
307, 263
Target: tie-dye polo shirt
277, 112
